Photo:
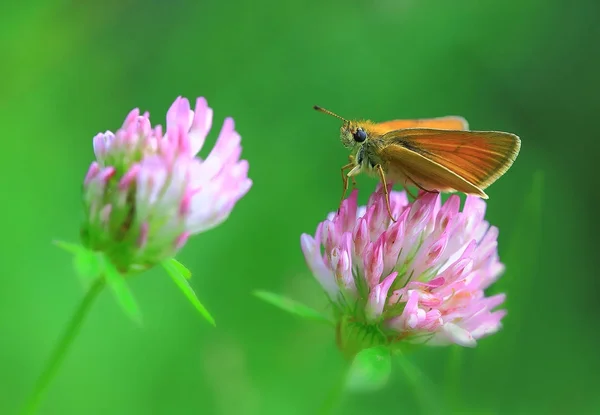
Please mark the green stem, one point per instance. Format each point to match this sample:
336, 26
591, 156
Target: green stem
59, 353
452, 382
423, 388
335, 395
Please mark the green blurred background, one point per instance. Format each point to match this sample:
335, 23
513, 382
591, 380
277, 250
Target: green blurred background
72, 69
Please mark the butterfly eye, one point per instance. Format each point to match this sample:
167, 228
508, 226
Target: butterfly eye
360, 135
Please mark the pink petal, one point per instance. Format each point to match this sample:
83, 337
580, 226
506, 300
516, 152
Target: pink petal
436, 250
347, 215
179, 115
129, 177
472, 214
410, 315
341, 263
201, 125
315, 262
105, 214
377, 217
101, 143
151, 178
432, 321
378, 296
488, 246
360, 236
106, 174
459, 270
131, 118
458, 335
373, 263
488, 324
494, 301
394, 238
398, 202
331, 238
181, 240
92, 173
143, 237
227, 148
421, 214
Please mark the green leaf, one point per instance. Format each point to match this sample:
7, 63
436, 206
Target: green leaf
117, 283
88, 264
68, 246
370, 370
182, 269
175, 271
292, 306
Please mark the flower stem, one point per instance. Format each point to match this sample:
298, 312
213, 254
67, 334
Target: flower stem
335, 395
422, 386
59, 353
452, 382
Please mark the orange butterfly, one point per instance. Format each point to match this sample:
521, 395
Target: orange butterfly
435, 154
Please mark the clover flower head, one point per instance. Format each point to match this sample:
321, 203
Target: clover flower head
420, 279
147, 191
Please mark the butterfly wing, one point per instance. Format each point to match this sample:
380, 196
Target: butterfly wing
466, 161
450, 122
411, 168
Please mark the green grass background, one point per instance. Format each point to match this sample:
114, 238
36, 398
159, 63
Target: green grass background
72, 69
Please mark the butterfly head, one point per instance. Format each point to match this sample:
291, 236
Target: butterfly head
353, 134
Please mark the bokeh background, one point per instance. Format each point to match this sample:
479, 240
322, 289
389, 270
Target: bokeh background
71, 69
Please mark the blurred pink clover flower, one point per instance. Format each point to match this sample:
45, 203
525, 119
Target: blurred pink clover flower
147, 191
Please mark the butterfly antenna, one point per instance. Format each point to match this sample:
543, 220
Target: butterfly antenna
321, 109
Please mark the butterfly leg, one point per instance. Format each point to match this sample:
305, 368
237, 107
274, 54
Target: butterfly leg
345, 180
385, 190
421, 187
413, 181
407, 190
351, 160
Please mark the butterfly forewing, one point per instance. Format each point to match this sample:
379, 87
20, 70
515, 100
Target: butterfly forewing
450, 122
477, 157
